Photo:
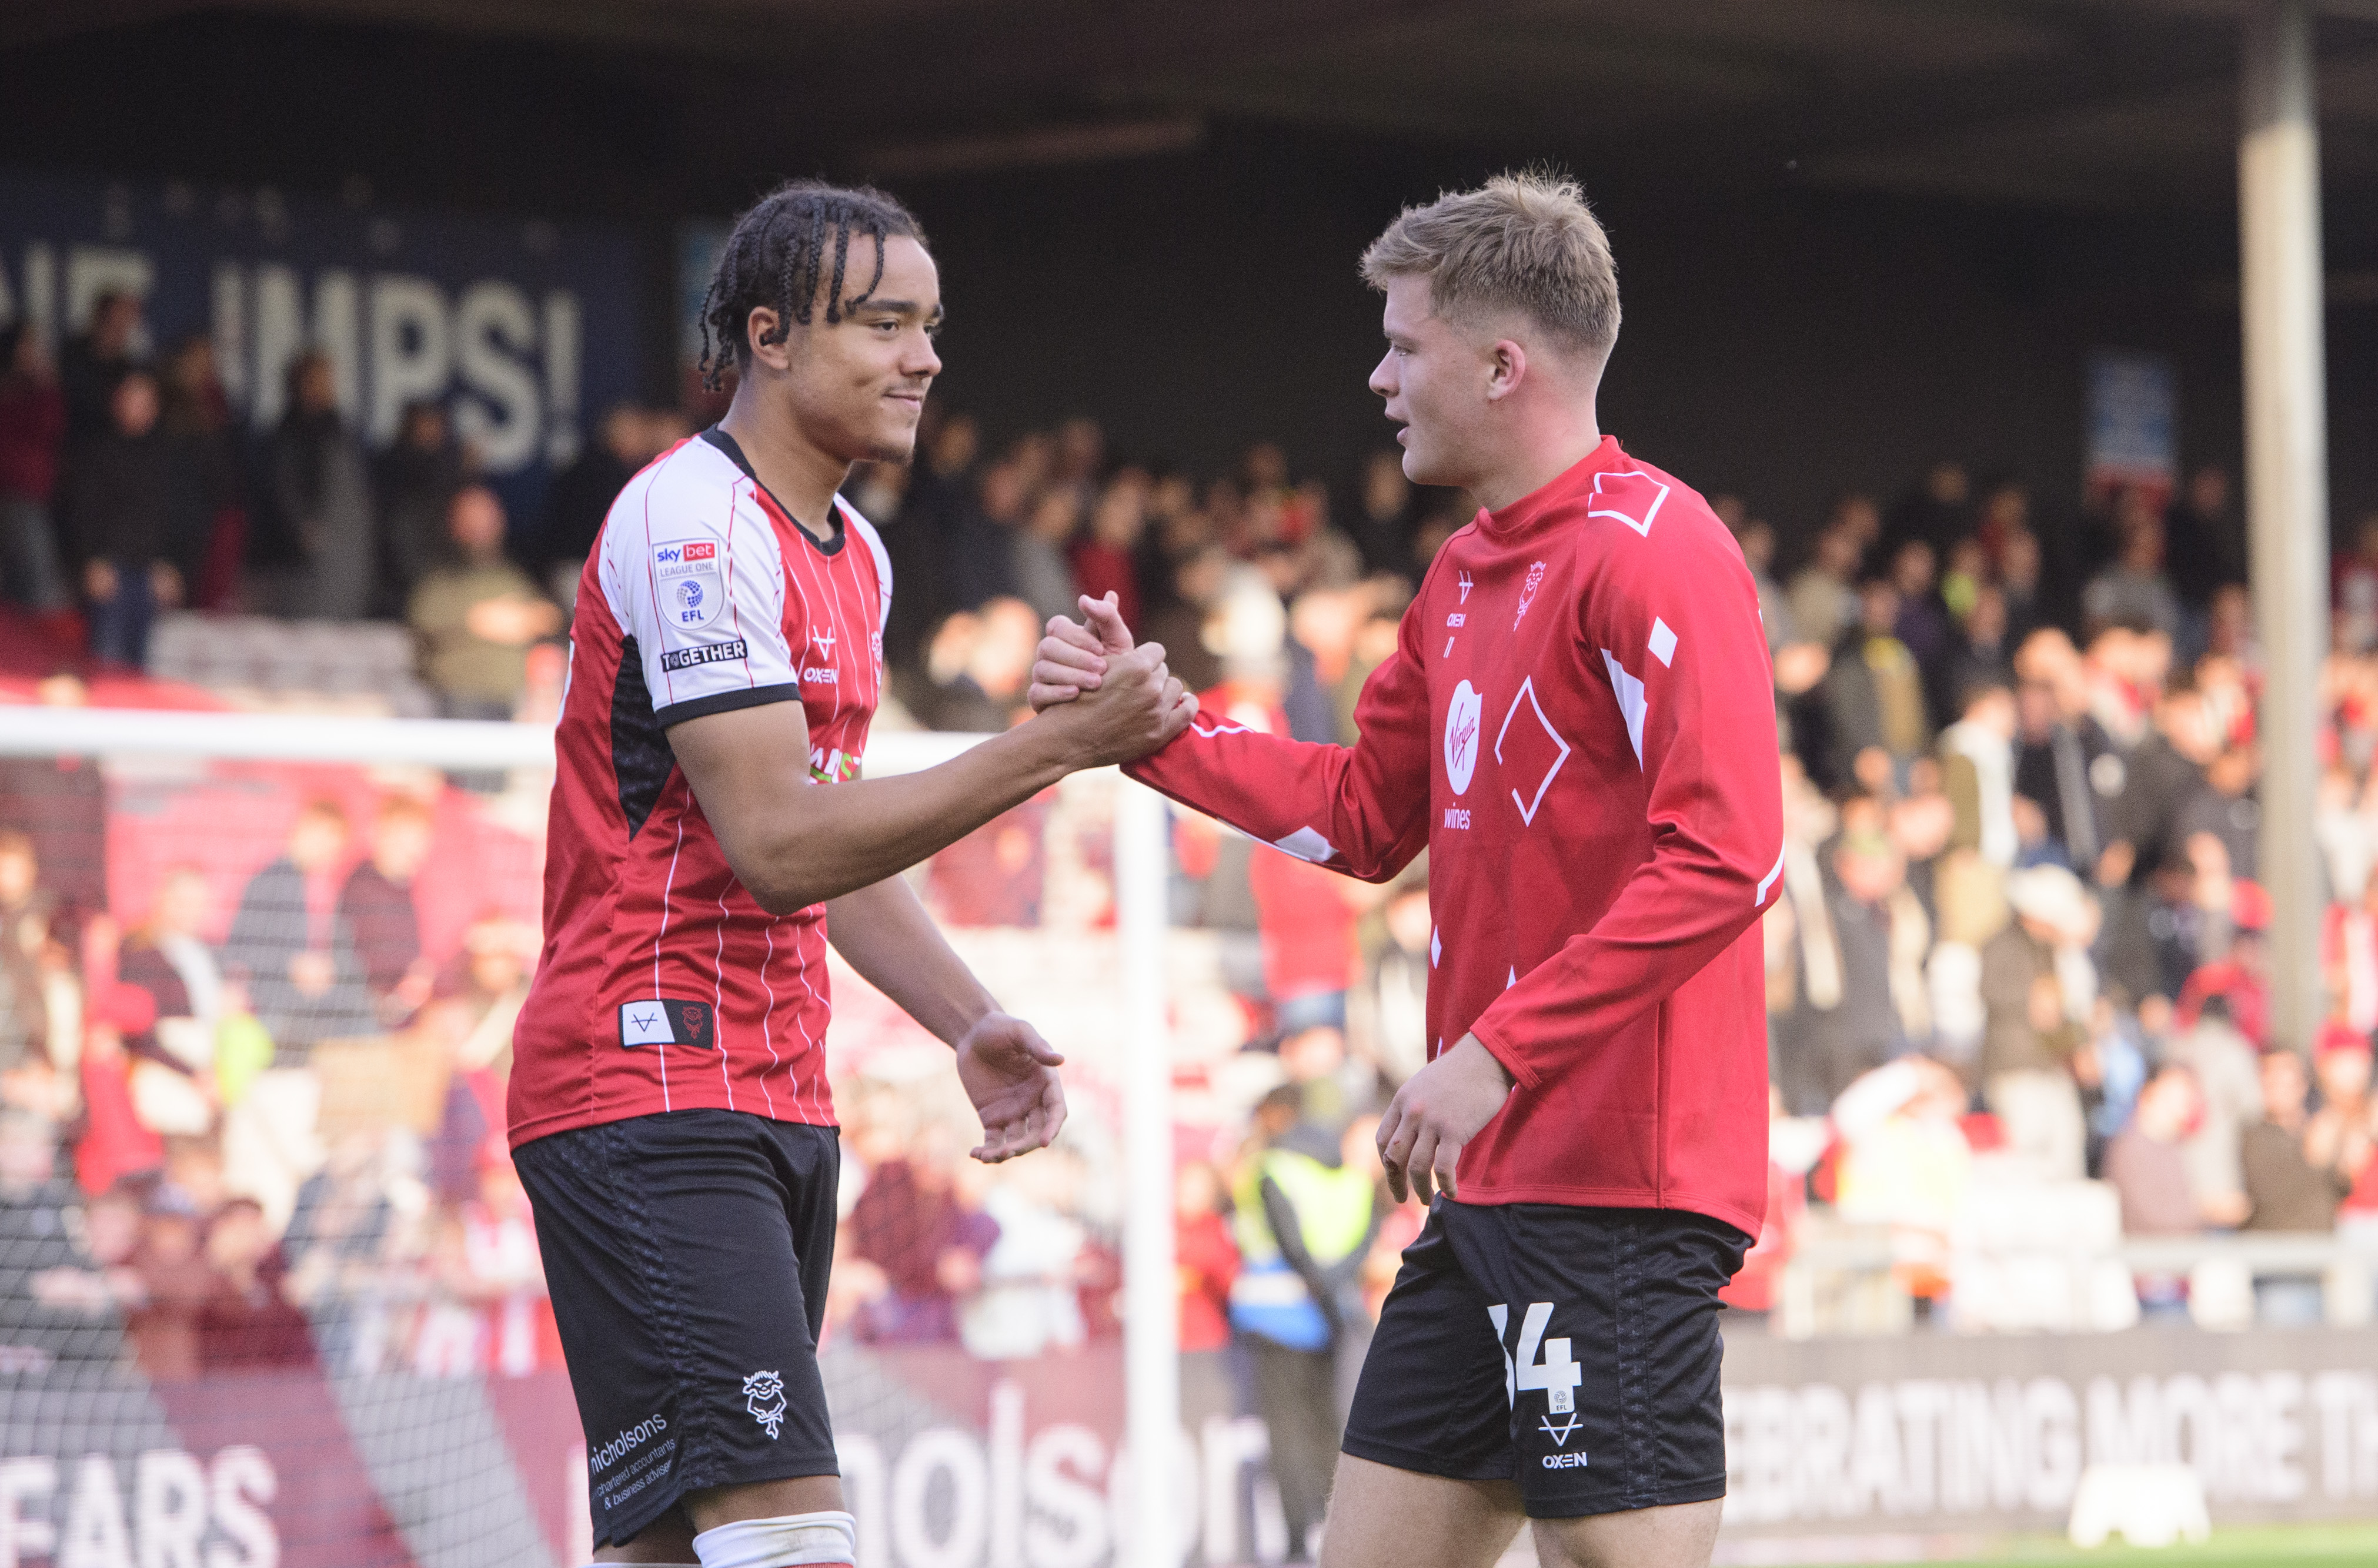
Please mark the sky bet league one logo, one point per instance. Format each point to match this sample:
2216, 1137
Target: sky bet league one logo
686, 573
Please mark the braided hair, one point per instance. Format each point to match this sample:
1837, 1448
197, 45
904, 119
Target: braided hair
775, 256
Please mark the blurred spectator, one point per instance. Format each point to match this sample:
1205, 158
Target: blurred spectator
1865, 719
2242, 980
1179, 619
305, 979
1307, 928
413, 486
1395, 1010
996, 875
103, 353
2206, 539
205, 523
2111, 1068
1823, 602
2229, 1088
579, 501
336, 1245
2227, 809
2134, 591
311, 540
2040, 989
946, 553
1757, 540
55, 1305
2148, 1173
1103, 559
166, 957
1027, 1304
175, 1282
1862, 936
246, 1323
24, 934
1037, 553
1388, 518
2065, 763
1905, 1163
1923, 622
2159, 777
376, 904
1204, 1256
119, 499
32, 435
487, 1312
478, 616
114, 1144
1938, 513
2284, 1191
912, 1225
980, 663
1305, 1227
1977, 772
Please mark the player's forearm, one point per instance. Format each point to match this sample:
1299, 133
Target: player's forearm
832, 839
1333, 805
885, 933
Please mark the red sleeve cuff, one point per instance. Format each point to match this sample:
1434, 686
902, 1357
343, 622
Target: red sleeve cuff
1522, 1073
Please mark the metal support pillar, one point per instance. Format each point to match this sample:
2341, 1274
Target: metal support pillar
2286, 480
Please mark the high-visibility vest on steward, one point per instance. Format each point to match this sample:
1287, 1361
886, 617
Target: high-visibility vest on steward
1333, 1220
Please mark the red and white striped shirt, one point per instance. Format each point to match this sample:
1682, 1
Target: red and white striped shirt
664, 986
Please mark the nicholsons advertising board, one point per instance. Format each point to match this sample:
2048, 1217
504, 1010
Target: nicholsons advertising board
525, 330
1835, 1449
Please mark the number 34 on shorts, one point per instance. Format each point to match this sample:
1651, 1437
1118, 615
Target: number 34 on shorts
1556, 1374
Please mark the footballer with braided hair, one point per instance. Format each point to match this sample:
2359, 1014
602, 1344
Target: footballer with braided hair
710, 834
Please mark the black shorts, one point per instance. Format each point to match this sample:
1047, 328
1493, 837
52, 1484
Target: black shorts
687, 1254
1574, 1351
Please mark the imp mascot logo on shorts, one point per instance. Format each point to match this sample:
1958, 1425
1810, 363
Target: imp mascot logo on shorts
764, 1396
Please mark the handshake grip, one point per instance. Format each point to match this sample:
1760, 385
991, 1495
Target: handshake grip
1120, 698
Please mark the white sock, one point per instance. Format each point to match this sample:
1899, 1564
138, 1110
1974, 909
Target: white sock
791, 1540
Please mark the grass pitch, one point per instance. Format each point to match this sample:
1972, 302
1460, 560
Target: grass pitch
2277, 1547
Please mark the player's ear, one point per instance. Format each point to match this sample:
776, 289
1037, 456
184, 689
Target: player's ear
1506, 366
761, 325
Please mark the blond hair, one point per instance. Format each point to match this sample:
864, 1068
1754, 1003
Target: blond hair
1524, 242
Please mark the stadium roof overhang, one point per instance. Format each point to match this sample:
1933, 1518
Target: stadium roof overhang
2103, 103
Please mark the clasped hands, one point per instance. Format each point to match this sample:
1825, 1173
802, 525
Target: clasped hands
1134, 704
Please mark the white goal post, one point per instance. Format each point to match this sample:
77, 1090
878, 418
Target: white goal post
1142, 858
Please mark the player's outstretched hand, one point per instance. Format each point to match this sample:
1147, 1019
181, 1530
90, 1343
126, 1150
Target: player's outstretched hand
1438, 1110
1073, 657
1009, 1073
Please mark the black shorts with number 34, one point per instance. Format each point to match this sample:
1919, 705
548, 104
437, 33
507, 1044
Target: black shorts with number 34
1574, 1351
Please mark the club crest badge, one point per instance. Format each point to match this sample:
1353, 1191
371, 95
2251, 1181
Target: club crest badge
764, 1396
1528, 592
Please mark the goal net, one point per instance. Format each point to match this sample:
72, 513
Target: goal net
271, 1289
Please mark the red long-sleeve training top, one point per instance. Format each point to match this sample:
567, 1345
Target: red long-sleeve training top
1579, 723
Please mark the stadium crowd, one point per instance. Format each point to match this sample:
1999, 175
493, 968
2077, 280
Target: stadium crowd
2021, 940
